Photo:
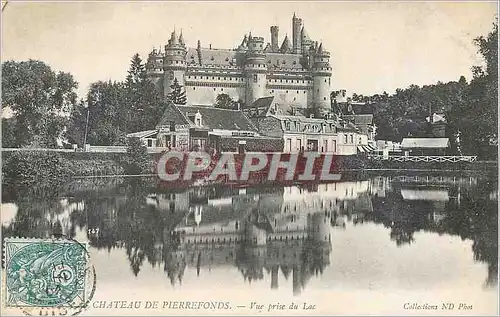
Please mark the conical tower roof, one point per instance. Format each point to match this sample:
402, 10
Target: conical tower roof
320, 48
286, 46
173, 38
268, 48
304, 35
181, 39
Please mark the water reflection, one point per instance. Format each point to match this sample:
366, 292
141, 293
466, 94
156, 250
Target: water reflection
265, 231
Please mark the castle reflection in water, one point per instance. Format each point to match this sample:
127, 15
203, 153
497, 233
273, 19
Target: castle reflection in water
273, 231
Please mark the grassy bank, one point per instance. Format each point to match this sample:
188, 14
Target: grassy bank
43, 168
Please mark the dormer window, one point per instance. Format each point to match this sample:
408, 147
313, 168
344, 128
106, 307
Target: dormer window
198, 119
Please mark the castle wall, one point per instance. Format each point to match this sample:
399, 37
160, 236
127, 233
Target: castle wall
298, 97
204, 85
206, 94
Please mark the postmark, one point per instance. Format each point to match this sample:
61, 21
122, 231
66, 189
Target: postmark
43, 275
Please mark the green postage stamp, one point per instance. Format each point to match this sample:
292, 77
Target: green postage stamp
47, 273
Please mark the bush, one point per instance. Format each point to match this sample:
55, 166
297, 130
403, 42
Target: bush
137, 160
28, 168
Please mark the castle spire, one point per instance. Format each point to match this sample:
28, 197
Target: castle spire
181, 39
286, 47
304, 35
173, 38
320, 48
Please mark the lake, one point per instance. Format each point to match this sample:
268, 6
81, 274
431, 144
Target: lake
390, 242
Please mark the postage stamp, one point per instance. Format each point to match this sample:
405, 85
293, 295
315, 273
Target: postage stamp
47, 273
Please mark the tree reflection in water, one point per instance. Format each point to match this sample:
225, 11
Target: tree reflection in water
260, 231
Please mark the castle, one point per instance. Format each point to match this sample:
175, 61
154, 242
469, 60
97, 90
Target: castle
297, 74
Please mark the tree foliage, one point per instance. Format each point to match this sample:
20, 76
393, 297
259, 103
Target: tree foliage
224, 101
177, 94
40, 100
117, 108
471, 109
137, 160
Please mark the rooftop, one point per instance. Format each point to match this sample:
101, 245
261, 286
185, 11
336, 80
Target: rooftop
429, 143
213, 118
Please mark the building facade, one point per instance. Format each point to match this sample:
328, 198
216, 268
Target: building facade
300, 133
297, 73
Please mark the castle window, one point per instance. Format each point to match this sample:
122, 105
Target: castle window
192, 56
294, 98
222, 89
287, 91
304, 91
297, 91
189, 77
212, 58
255, 78
272, 91
215, 89
213, 77
218, 78
227, 59
325, 80
324, 98
194, 88
294, 62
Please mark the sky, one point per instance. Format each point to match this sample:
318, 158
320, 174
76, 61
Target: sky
374, 46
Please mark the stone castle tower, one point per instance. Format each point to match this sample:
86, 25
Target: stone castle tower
297, 74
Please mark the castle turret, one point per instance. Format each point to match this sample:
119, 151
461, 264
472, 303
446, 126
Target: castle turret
321, 72
154, 66
274, 38
296, 39
174, 62
255, 69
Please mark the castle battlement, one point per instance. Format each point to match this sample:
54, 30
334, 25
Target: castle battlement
255, 63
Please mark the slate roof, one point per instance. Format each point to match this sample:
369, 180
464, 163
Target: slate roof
142, 134
212, 118
172, 113
221, 57
429, 143
263, 102
360, 119
286, 46
281, 61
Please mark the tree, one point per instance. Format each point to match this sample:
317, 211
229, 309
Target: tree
477, 119
107, 114
137, 160
144, 102
224, 101
40, 100
177, 94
